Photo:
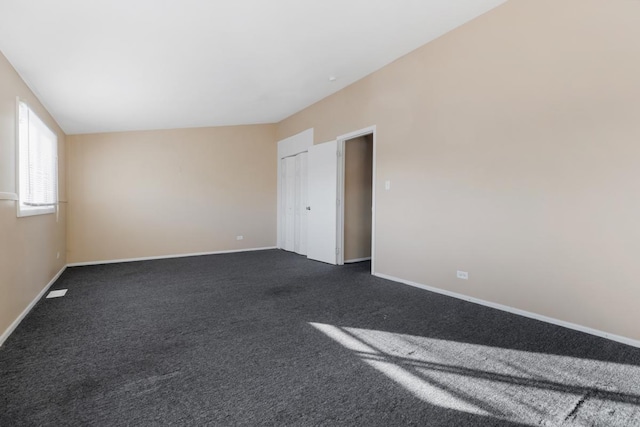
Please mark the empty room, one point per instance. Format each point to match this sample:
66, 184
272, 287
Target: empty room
300, 213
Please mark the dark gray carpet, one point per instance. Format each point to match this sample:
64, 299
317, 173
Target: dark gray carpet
270, 338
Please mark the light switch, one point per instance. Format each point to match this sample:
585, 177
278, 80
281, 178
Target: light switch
387, 185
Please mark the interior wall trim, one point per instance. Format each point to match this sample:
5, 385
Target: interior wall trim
26, 311
8, 196
542, 318
350, 261
115, 261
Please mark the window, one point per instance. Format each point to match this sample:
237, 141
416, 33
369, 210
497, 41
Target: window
37, 164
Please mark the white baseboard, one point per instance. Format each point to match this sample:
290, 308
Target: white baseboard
585, 329
149, 258
602, 334
26, 311
350, 261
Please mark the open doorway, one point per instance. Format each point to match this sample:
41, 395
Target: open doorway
356, 189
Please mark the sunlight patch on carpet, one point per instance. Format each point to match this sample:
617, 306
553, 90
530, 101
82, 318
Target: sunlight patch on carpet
515, 385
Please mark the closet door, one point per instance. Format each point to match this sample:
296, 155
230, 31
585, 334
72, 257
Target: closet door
289, 202
301, 204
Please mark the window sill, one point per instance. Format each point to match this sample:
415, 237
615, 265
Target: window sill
28, 211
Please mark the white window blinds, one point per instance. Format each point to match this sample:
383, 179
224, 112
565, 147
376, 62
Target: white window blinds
38, 161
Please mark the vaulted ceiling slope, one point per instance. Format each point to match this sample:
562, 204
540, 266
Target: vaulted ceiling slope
114, 65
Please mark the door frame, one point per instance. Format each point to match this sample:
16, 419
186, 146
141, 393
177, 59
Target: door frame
371, 130
288, 147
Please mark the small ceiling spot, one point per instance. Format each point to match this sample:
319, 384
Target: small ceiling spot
332, 78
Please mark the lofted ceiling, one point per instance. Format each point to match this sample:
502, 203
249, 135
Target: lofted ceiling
114, 65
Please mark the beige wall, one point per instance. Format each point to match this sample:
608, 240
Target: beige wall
167, 192
358, 162
28, 245
511, 144
513, 147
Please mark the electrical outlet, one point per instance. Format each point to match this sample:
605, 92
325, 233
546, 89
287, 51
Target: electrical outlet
239, 237
462, 275
387, 185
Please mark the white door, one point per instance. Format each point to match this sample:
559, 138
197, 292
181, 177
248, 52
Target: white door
323, 196
289, 205
302, 200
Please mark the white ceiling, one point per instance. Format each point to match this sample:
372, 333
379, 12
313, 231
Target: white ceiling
113, 65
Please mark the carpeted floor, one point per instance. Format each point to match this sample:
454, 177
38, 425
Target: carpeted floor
270, 338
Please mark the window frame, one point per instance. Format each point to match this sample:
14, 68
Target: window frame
22, 209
